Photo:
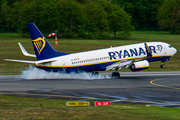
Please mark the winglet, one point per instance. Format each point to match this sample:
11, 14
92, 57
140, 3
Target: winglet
25, 52
148, 51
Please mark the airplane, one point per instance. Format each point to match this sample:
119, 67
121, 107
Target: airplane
136, 57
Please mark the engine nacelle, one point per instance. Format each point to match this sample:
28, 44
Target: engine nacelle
141, 65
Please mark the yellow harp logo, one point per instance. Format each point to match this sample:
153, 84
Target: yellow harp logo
39, 43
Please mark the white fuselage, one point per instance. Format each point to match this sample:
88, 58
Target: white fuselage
104, 57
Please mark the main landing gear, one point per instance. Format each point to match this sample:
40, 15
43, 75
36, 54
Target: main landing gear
95, 73
116, 74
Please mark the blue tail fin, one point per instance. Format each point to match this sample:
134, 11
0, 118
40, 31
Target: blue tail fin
42, 48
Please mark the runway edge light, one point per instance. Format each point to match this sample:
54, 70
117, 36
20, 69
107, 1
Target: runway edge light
77, 104
147, 105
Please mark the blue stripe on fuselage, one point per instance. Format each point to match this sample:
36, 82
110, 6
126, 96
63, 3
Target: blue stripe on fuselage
91, 67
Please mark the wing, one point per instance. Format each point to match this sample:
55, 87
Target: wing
25, 52
128, 63
120, 65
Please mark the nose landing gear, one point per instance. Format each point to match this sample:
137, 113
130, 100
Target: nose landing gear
162, 65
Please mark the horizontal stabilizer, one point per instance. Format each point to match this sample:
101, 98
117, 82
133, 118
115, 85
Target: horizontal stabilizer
23, 61
45, 61
25, 52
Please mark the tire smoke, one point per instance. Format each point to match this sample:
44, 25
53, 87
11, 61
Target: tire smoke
35, 73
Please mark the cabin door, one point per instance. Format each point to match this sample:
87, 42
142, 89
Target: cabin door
165, 50
64, 65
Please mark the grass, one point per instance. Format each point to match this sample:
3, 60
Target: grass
22, 108
154, 35
9, 35
9, 49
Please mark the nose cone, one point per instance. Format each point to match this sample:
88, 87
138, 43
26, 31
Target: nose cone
174, 50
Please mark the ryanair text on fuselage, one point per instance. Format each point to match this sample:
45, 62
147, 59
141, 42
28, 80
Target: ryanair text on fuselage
130, 52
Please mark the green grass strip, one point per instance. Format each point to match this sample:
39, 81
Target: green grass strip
23, 108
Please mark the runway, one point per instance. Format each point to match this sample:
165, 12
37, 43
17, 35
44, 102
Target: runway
153, 88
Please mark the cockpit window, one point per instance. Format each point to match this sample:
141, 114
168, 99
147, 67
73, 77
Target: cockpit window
170, 46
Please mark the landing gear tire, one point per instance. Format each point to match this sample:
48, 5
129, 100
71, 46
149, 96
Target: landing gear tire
132, 67
95, 73
116, 74
162, 65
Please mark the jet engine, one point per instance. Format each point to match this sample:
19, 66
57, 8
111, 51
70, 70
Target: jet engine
141, 65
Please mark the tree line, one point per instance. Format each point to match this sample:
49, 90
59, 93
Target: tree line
153, 14
89, 19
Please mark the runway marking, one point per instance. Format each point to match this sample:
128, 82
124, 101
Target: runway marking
48, 85
41, 95
5, 93
79, 97
145, 102
162, 85
112, 100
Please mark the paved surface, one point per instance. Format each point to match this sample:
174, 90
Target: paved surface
153, 88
